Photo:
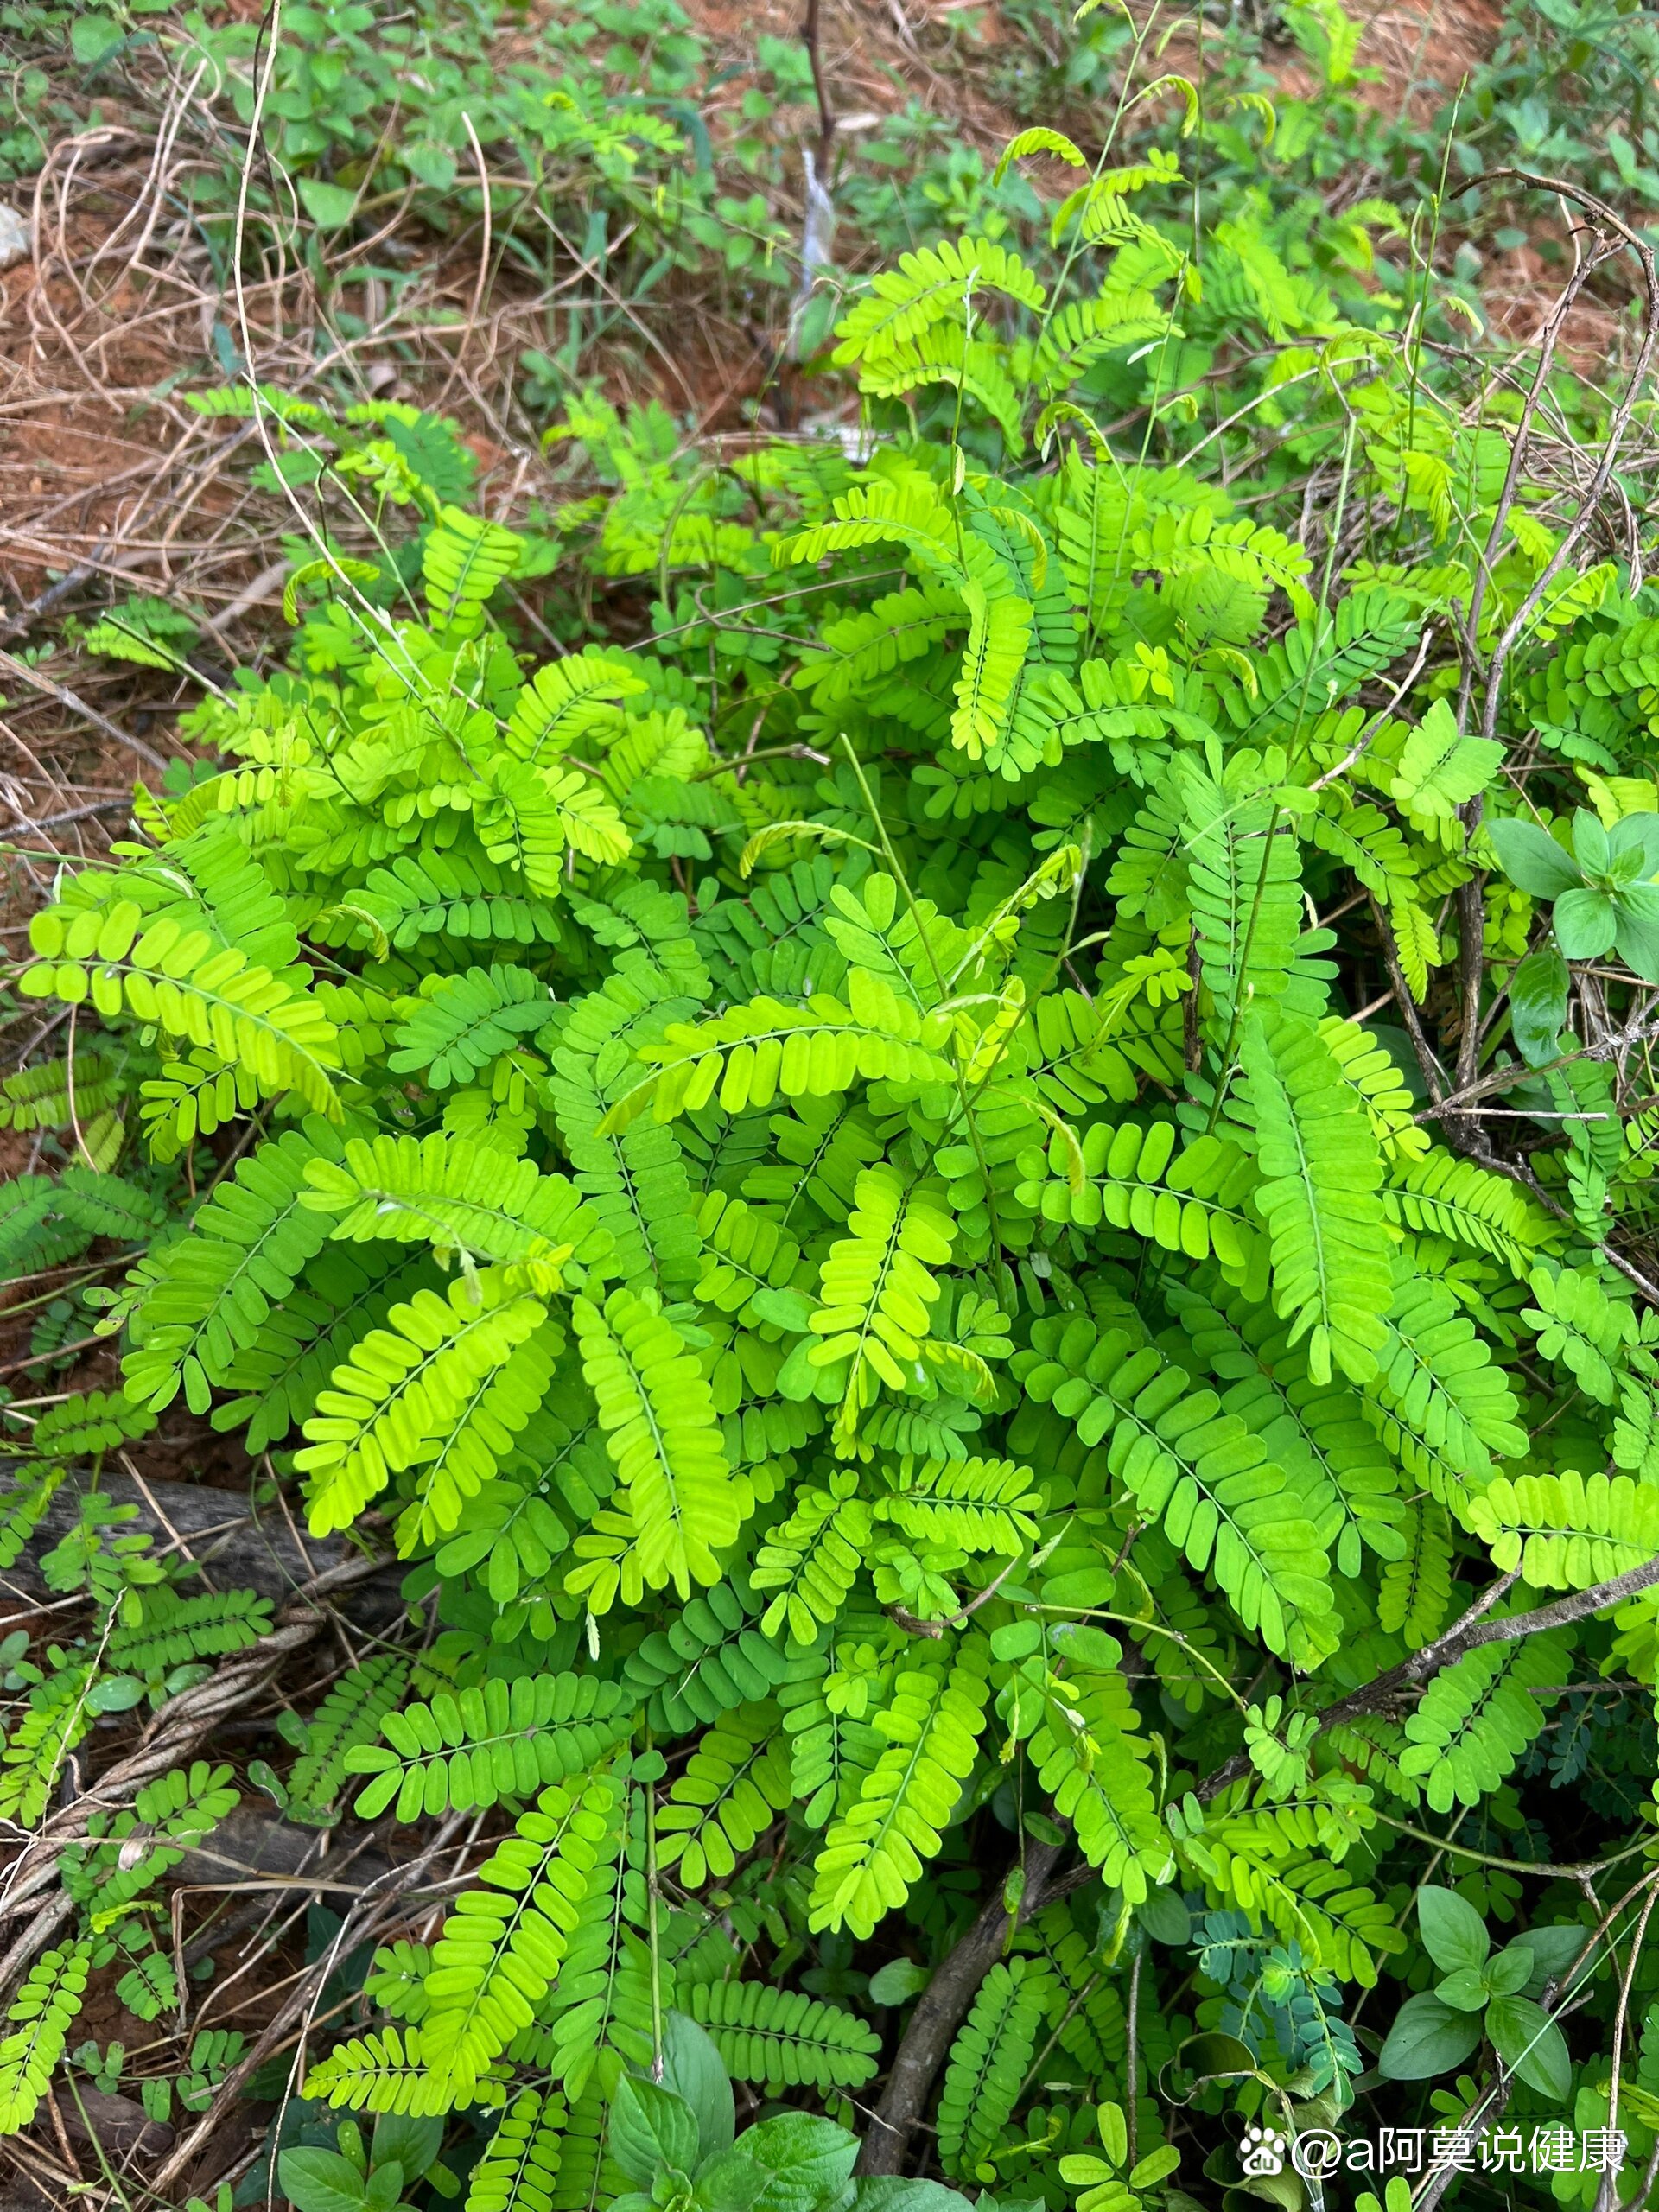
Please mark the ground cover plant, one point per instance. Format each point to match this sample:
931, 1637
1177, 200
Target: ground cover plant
910, 1171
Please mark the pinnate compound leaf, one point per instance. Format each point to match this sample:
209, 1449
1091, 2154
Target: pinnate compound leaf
470, 1748
1321, 1179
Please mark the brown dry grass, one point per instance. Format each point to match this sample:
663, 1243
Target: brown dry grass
118, 304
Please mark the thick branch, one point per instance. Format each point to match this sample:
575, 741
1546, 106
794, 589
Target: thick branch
1559, 1614
1465, 1635
939, 2012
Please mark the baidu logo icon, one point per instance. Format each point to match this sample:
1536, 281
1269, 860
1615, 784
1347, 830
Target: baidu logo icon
1264, 2152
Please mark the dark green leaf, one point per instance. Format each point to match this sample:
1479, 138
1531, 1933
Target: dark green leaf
1454, 1933
383, 2187
322, 2181
1637, 933
1586, 922
892, 2193
1215, 2057
1591, 847
1553, 1950
413, 2143
653, 2131
692, 2069
1466, 1991
1531, 2045
1532, 860
730, 2183
1428, 2038
1538, 992
898, 1981
1637, 835
1508, 1972
809, 2160
1164, 1916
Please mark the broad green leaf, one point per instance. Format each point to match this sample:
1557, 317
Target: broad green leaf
1592, 847
329, 205
809, 2160
730, 2182
894, 2193
1586, 923
1635, 837
414, 2142
1532, 860
91, 36
653, 2131
898, 1981
1506, 1974
1529, 2043
1164, 1915
322, 2181
1466, 1991
1637, 935
1553, 1950
692, 2070
1454, 1935
1538, 992
1427, 2037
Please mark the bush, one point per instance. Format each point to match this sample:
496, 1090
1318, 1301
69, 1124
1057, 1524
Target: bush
886, 1176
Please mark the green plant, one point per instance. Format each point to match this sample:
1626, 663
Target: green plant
829, 1179
1602, 891
1569, 82
1482, 1991
399, 2151
619, 180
